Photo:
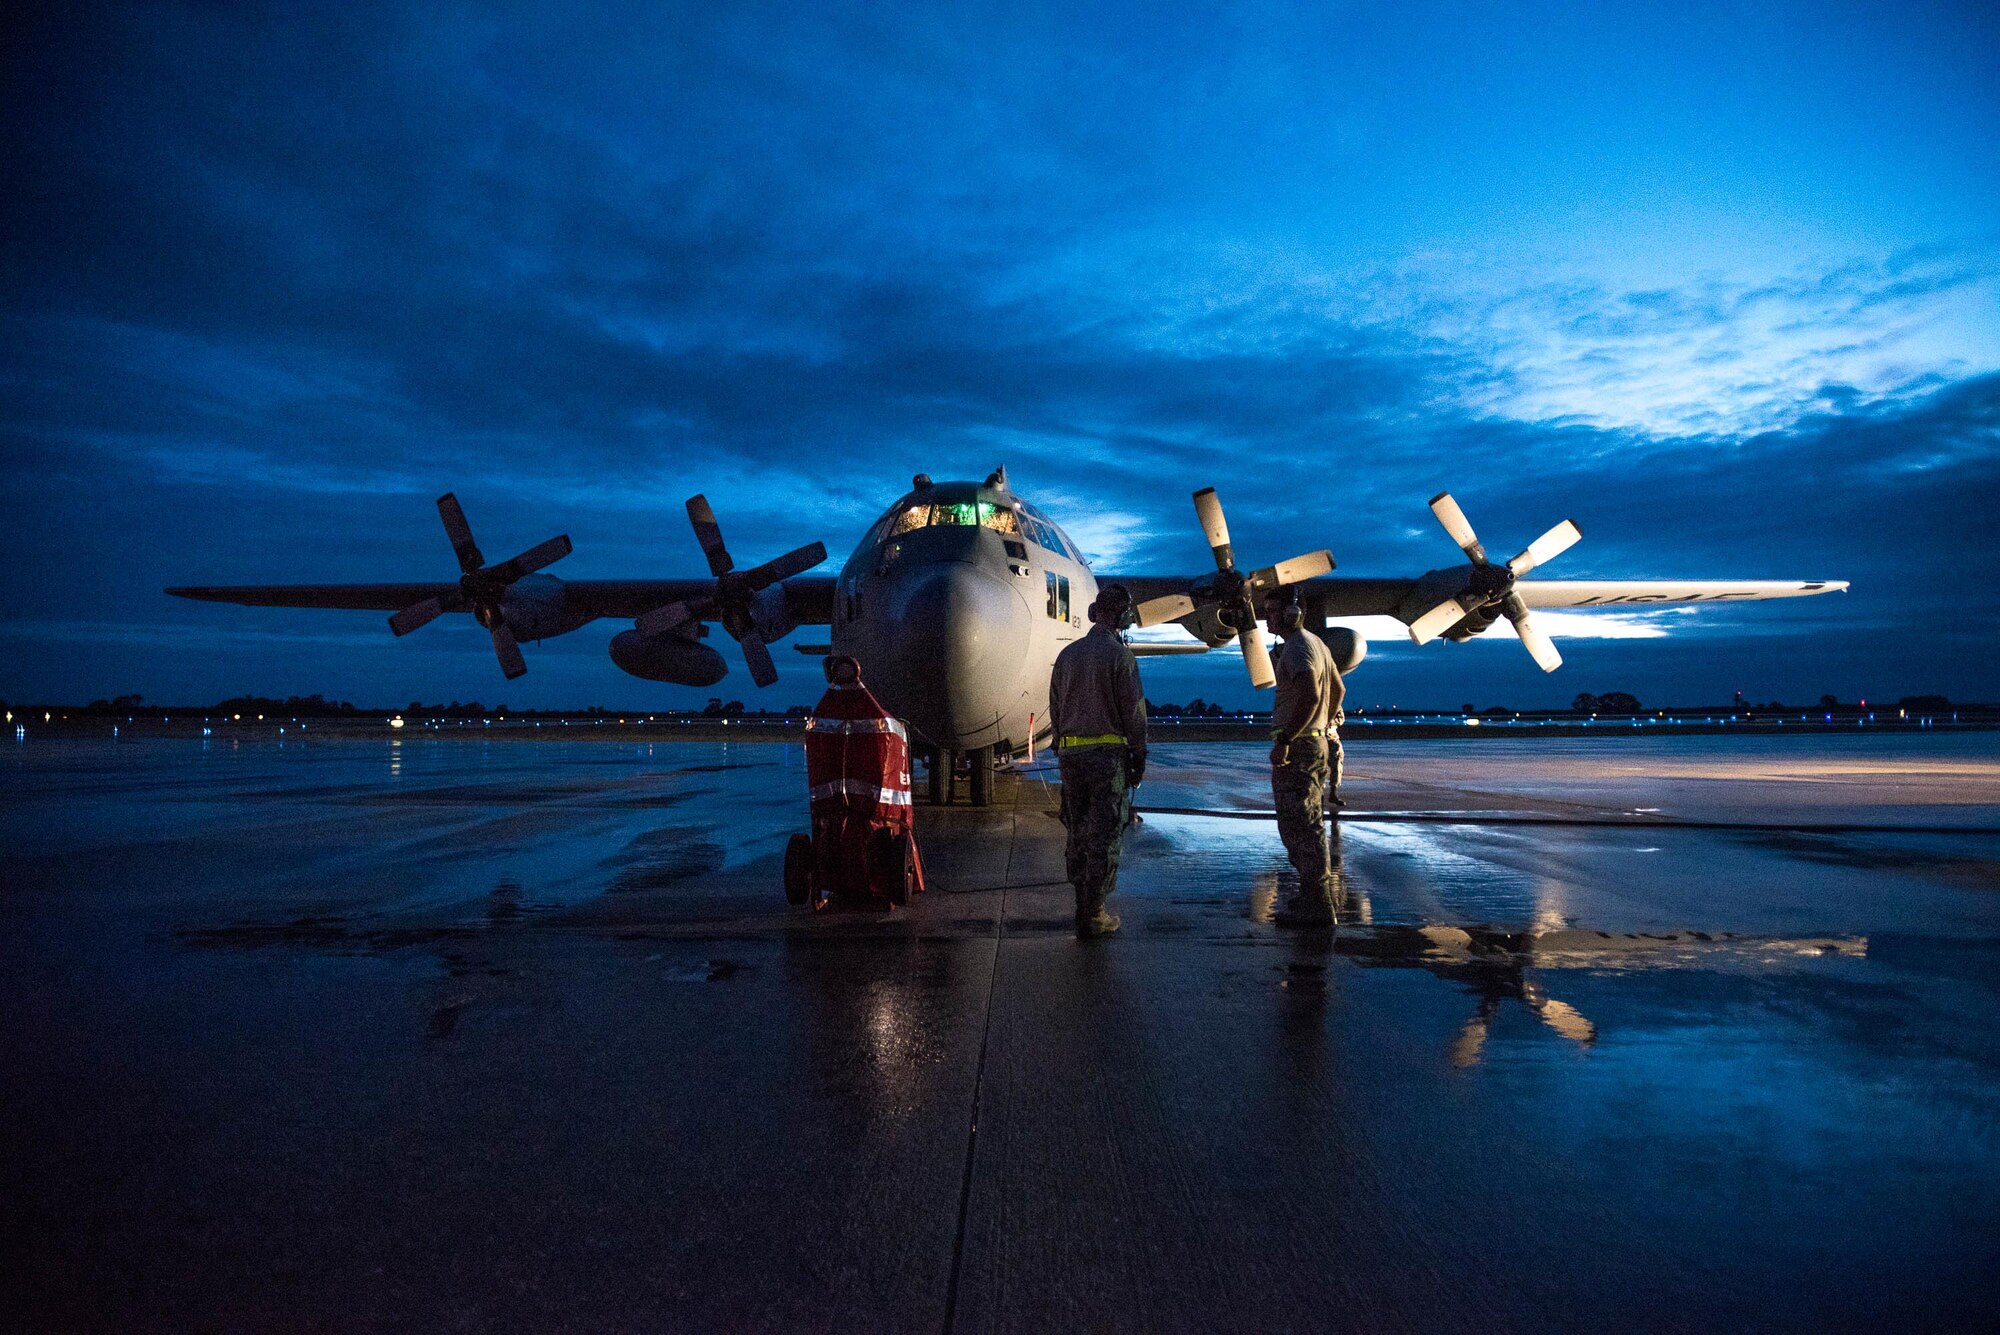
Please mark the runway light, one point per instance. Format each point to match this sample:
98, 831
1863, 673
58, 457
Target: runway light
396, 722
1472, 723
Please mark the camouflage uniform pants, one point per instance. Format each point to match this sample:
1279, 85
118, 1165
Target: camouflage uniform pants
1095, 807
1299, 789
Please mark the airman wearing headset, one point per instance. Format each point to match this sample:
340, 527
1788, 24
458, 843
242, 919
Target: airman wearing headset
1098, 713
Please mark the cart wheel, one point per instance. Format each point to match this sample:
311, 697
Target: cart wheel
798, 870
901, 868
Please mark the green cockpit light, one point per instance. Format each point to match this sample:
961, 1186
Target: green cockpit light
957, 514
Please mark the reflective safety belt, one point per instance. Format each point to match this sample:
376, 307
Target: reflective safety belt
1108, 739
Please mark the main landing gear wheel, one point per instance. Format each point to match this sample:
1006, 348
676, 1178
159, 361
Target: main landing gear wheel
896, 865
798, 870
980, 762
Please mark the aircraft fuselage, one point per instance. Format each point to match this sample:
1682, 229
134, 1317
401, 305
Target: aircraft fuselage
956, 603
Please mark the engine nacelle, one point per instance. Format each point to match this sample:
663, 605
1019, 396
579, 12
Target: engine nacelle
1470, 585
669, 657
1206, 624
1348, 647
536, 608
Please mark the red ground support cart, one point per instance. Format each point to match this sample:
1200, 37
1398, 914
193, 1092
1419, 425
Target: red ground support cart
863, 845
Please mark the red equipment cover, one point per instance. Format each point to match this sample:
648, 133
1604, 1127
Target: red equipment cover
858, 767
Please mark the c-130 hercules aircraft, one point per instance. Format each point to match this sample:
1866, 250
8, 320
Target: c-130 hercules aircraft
959, 598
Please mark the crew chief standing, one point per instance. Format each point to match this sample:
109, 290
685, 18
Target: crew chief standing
1098, 714
1304, 719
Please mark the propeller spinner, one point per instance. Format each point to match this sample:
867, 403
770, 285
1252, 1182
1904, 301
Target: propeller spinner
1491, 583
1235, 593
733, 600
481, 588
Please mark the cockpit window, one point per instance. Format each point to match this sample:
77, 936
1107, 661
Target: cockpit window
953, 514
1044, 533
964, 514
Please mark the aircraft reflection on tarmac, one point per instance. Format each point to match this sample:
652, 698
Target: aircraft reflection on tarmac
1493, 963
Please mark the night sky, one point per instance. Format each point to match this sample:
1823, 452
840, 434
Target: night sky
1722, 283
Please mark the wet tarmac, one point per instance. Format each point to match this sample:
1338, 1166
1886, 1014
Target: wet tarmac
419, 1034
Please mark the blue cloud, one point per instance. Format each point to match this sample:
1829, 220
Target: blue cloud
280, 278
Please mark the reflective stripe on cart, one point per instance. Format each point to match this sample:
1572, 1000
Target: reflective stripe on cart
894, 727
860, 788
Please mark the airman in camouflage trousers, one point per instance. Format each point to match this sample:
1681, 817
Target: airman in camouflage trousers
1098, 714
1298, 785
1096, 806
1304, 717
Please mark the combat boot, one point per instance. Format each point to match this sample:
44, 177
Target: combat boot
1097, 924
1307, 909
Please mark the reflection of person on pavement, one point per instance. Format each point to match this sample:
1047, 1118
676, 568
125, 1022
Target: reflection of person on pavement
1098, 714
1496, 984
1309, 693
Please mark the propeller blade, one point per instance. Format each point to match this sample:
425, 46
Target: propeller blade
1258, 659
1538, 644
508, 651
1213, 527
1300, 568
415, 615
663, 618
1437, 621
528, 562
762, 670
709, 534
1158, 611
1547, 547
460, 534
784, 567
1453, 519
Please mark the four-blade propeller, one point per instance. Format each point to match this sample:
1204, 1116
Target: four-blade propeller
481, 588
733, 601
1234, 593
1491, 583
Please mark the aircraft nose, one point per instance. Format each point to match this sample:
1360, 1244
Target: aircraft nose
963, 633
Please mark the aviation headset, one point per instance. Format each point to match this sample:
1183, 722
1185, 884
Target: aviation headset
1284, 610
1114, 600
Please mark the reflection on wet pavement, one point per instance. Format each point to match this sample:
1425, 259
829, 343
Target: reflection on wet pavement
546, 1001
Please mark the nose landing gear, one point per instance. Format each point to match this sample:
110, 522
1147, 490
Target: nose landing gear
941, 776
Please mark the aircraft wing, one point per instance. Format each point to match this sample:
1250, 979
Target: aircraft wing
810, 598
353, 597
1606, 593
1344, 596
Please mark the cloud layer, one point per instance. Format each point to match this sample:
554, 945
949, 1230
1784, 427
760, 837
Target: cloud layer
281, 279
